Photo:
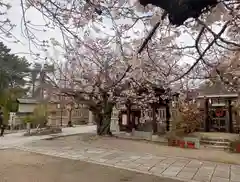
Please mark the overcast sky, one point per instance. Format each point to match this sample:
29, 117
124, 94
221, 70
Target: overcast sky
15, 15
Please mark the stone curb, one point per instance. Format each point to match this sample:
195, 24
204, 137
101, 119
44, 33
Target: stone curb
52, 137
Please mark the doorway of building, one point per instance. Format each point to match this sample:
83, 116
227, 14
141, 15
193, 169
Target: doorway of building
218, 119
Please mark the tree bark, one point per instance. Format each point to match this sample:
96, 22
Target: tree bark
70, 118
129, 122
104, 125
98, 119
102, 114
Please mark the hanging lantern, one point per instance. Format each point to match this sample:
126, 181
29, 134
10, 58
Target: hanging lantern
219, 113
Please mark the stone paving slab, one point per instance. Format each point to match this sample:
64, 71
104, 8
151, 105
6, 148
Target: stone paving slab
184, 169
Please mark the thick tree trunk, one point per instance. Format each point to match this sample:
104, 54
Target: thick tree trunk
70, 118
98, 119
103, 128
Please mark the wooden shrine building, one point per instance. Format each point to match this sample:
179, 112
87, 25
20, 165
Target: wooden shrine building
216, 102
156, 118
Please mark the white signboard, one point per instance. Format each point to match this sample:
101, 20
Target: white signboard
124, 119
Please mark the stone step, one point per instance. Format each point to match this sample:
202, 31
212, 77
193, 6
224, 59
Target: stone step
215, 147
212, 142
215, 143
215, 139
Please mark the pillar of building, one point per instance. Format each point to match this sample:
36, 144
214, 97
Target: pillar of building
206, 115
129, 123
168, 116
230, 123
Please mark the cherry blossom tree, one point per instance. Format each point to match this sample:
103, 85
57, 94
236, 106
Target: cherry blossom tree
111, 44
95, 76
100, 76
228, 73
201, 41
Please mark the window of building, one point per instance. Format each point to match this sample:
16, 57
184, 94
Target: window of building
218, 101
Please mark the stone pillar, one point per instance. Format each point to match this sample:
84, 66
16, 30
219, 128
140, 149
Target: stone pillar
115, 120
12, 120
230, 122
28, 127
90, 118
206, 117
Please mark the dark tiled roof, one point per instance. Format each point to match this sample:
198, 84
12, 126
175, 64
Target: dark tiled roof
217, 88
27, 101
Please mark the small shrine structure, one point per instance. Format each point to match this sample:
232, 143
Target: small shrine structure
154, 117
216, 103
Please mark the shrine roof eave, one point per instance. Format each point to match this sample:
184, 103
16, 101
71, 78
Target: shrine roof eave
218, 95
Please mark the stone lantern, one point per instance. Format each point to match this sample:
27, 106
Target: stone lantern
70, 106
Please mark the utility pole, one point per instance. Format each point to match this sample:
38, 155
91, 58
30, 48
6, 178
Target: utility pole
61, 98
61, 110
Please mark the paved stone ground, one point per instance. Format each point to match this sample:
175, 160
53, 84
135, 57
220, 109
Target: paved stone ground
20, 166
113, 143
181, 168
13, 139
172, 167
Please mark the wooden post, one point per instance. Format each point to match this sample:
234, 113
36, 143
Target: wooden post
230, 123
168, 116
128, 106
206, 115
